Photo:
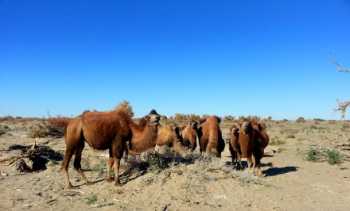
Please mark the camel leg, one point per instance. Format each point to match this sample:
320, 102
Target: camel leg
116, 171
65, 165
77, 161
258, 163
239, 161
250, 162
110, 163
117, 151
254, 158
126, 152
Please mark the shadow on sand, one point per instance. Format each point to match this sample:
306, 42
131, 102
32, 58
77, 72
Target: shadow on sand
275, 171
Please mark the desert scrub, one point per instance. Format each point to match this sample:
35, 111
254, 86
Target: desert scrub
301, 120
276, 141
3, 129
92, 199
333, 156
38, 131
100, 168
313, 155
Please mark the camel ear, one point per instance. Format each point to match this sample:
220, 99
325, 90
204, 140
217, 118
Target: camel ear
218, 119
153, 112
194, 124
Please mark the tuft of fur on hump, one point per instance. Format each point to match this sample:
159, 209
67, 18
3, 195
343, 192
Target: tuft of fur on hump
126, 108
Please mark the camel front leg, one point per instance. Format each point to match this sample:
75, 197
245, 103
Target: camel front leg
110, 163
116, 171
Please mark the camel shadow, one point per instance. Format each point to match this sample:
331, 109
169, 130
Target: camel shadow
90, 183
275, 171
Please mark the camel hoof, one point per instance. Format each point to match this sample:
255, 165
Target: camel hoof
117, 184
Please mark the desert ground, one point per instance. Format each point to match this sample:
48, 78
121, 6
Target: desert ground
306, 167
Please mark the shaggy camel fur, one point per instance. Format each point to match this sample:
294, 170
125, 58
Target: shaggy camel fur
104, 130
189, 134
210, 136
248, 141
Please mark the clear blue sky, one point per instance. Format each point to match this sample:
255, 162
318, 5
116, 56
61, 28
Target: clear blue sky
258, 57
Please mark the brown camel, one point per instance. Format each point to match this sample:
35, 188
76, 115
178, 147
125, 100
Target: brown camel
166, 135
105, 130
234, 146
248, 141
189, 134
210, 136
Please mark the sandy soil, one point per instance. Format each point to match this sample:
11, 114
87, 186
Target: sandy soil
291, 182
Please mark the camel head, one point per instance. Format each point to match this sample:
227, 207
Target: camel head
235, 128
246, 127
153, 118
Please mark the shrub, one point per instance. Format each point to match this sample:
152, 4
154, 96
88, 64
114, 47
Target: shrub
38, 131
276, 141
313, 155
301, 120
333, 157
319, 120
229, 118
92, 199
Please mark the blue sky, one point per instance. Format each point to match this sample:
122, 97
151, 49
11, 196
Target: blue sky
246, 57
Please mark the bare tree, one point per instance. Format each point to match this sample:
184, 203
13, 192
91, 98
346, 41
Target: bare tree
341, 68
342, 105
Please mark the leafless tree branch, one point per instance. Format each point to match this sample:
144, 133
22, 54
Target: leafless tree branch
342, 107
341, 68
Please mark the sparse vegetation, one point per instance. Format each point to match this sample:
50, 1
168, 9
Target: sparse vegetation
92, 199
3, 129
45, 129
333, 157
38, 131
301, 120
275, 141
313, 155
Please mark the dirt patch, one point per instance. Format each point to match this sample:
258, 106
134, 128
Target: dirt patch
198, 183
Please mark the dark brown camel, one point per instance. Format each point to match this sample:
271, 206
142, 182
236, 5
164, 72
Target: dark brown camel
248, 141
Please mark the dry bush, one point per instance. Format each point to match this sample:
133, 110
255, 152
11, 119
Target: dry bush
38, 131
301, 120
319, 120
54, 128
60, 122
185, 117
4, 129
6, 118
229, 118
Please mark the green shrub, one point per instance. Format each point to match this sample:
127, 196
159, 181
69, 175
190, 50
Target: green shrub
313, 155
333, 157
92, 199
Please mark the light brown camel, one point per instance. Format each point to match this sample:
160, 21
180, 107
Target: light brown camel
210, 136
189, 134
105, 130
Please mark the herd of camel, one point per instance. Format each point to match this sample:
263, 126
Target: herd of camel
117, 132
